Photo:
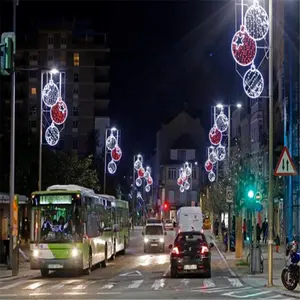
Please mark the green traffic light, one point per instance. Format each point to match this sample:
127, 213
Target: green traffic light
251, 194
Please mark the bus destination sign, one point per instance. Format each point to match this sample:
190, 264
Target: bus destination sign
55, 199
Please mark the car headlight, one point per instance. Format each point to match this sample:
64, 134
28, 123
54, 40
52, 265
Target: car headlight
146, 240
75, 252
35, 253
161, 240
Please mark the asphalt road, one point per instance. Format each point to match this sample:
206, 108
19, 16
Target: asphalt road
137, 276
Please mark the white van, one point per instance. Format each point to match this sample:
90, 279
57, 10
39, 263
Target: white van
154, 237
189, 218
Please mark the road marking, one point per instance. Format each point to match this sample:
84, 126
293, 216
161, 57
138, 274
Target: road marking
208, 283
235, 282
217, 290
185, 282
107, 286
109, 293
225, 261
64, 283
74, 293
34, 286
83, 286
159, 283
40, 294
133, 273
231, 294
13, 285
135, 284
167, 271
8, 295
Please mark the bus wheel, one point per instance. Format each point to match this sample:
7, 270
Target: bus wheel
122, 252
113, 257
44, 272
88, 271
103, 263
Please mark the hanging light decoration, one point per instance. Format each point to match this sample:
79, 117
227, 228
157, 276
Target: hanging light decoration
211, 176
113, 148
142, 173
185, 174
215, 136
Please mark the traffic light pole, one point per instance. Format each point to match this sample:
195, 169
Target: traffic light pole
13, 239
229, 204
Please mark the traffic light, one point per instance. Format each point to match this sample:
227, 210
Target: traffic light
166, 206
250, 194
8, 41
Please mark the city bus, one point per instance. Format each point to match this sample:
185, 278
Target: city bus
72, 228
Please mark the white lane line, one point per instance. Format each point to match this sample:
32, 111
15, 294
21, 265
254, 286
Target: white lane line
9, 286
159, 283
74, 293
34, 286
208, 283
40, 294
167, 271
83, 286
64, 283
107, 286
225, 261
231, 294
8, 295
235, 282
109, 293
135, 284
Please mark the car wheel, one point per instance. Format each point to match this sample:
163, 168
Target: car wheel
173, 273
44, 272
88, 271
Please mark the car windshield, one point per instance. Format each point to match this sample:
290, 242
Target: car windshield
169, 221
153, 230
153, 221
188, 237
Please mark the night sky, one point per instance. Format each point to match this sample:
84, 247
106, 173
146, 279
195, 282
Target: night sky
163, 54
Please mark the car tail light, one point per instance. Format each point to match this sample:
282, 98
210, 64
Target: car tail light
204, 250
202, 230
175, 251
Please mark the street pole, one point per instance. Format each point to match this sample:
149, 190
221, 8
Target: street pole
41, 136
105, 162
228, 158
270, 198
13, 240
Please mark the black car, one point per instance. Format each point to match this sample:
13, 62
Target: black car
190, 254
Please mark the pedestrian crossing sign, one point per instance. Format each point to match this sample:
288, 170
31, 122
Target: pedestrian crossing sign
285, 166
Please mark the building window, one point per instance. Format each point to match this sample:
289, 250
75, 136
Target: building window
75, 144
75, 111
33, 91
50, 41
33, 57
63, 42
172, 173
50, 57
76, 59
32, 124
75, 92
194, 173
75, 124
63, 59
182, 155
32, 110
76, 77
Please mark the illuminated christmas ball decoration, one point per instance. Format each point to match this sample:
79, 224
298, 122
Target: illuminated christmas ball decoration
147, 188
141, 172
211, 176
146, 175
52, 135
181, 189
256, 21
253, 83
150, 180
243, 47
111, 167
59, 112
186, 185
212, 157
137, 164
116, 153
208, 167
183, 176
220, 153
215, 136
222, 122
138, 182
179, 181
111, 142
50, 93
188, 171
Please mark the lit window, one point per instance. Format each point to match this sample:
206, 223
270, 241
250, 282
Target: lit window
76, 59
33, 91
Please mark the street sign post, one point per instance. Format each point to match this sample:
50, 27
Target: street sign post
229, 194
285, 166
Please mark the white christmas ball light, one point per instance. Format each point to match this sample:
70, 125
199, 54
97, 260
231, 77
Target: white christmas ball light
211, 176
138, 182
137, 165
186, 185
111, 167
183, 176
256, 21
146, 175
147, 188
212, 157
222, 122
253, 83
220, 153
181, 189
50, 93
111, 142
188, 171
52, 135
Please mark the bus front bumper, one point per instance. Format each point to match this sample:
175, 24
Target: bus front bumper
56, 264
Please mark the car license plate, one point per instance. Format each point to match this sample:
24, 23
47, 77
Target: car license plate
190, 267
55, 266
153, 245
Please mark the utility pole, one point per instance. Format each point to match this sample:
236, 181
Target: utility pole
13, 238
270, 198
228, 158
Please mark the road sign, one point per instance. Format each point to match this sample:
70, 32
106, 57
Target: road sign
229, 194
285, 166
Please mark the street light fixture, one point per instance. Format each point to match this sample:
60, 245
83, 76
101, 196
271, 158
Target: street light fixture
239, 105
53, 71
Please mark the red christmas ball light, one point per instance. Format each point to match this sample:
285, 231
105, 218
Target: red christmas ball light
243, 47
150, 180
59, 112
208, 166
141, 172
179, 181
116, 153
215, 136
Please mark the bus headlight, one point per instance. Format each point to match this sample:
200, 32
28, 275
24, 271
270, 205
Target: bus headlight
161, 240
146, 240
35, 253
75, 252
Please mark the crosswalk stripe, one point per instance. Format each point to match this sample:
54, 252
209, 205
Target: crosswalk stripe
107, 286
36, 285
135, 284
159, 283
64, 283
208, 283
83, 286
235, 282
15, 284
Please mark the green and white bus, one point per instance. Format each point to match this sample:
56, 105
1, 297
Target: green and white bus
72, 228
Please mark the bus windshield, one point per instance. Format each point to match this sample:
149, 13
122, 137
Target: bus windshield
59, 223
